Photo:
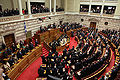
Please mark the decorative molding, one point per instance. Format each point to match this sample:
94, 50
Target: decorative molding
71, 12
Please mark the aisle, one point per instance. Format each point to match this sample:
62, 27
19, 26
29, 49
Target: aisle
31, 73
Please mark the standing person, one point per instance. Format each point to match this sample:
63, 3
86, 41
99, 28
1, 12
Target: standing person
21, 44
19, 54
13, 47
53, 48
3, 45
27, 48
31, 45
23, 11
36, 42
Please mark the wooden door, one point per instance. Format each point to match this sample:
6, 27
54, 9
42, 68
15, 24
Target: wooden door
0, 8
9, 39
93, 25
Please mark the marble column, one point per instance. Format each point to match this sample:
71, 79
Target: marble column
50, 6
55, 6
101, 13
20, 7
90, 7
29, 7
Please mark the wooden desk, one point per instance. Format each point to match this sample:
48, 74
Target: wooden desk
41, 78
58, 48
53, 34
24, 63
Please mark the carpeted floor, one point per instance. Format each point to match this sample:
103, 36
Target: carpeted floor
31, 73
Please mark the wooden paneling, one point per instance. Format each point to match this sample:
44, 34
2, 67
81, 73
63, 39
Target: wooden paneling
25, 62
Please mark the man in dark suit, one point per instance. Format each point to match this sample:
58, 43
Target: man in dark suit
13, 47
21, 44
43, 59
53, 47
31, 45
41, 72
36, 42
19, 54
11, 61
3, 45
9, 51
72, 33
5, 55
23, 51
27, 49
64, 52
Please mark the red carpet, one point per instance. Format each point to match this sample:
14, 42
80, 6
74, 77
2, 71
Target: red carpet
31, 73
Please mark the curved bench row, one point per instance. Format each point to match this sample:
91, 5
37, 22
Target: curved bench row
98, 71
112, 72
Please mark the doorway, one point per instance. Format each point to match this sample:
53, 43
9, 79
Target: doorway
93, 25
9, 39
0, 8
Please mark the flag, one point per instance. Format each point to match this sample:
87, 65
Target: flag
25, 27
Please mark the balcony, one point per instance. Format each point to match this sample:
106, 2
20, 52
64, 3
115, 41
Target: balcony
97, 0
111, 1
19, 17
84, 0
106, 1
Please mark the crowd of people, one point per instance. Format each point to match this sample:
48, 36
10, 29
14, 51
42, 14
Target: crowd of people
79, 61
84, 9
95, 10
83, 58
34, 10
15, 52
114, 37
39, 9
8, 12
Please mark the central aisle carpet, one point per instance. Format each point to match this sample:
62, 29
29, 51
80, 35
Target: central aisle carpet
31, 73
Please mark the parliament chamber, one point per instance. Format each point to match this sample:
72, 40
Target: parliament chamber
59, 40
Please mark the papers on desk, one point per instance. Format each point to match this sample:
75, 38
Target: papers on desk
49, 29
65, 57
73, 67
69, 61
63, 42
79, 73
52, 59
63, 69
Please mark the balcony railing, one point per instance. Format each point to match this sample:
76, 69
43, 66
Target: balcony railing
97, 0
84, 0
97, 14
111, 1
18, 17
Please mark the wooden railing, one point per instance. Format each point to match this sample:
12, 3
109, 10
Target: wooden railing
22, 64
